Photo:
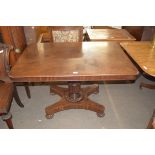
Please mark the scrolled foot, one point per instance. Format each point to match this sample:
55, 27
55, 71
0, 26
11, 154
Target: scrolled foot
49, 116
100, 114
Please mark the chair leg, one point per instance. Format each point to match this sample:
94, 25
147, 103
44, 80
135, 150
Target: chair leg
16, 97
27, 90
150, 86
151, 124
8, 119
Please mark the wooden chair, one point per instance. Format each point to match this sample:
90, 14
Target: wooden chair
151, 124
66, 33
7, 88
15, 36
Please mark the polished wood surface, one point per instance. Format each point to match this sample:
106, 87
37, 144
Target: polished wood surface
73, 62
143, 54
87, 61
75, 97
14, 35
5, 68
109, 35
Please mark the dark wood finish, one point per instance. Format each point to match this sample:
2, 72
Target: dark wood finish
90, 61
44, 38
148, 33
151, 124
6, 90
9, 123
15, 36
136, 31
16, 97
143, 54
75, 97
118, 35
146, 85
72, 62
5, 68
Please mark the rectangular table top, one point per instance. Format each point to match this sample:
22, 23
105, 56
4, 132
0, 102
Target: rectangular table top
109, 35
143, 54
84, 61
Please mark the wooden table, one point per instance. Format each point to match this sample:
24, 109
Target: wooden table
74, 63
109, 35
144, 55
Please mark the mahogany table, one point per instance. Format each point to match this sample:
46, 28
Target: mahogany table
144, 55
74, 63
109, 35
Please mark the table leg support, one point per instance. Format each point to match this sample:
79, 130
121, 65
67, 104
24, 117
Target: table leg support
75, 97
146, 85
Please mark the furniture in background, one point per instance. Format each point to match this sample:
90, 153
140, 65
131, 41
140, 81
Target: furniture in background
144, 55
148, 33
66, 33
142, 33
30, 34
39, 30
6, 95
102, 27
109, 35
75, 63
60, 34
136, 31
7, 89
14, 36
151, 124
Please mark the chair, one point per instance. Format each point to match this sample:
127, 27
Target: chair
151, 124
7, 88
15, 36
66, 33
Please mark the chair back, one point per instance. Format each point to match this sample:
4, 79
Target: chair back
66, 33
4, 62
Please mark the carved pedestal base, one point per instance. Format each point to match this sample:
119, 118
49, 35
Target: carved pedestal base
74, 97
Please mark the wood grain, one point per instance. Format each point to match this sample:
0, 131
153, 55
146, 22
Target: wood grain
85, 61
109, 35
143, 54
